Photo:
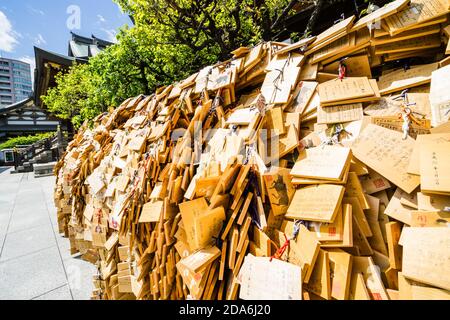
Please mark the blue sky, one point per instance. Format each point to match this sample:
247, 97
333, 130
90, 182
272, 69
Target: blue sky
47, 24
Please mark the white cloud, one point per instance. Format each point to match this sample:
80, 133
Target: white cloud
8, 37
101, 18
36, 11
39, 40
111, 35
32, 63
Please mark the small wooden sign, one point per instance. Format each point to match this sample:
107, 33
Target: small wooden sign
400, 79
388, 154
279, 189
324, 162
316, 203
426, 257
151, 211
261, 278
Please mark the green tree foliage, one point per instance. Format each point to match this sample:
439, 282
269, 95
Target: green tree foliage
115, 74
71, 98
216, 27
171, 39
25, 140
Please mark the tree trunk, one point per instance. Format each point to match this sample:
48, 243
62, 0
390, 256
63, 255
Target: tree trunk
144, 78
312, 21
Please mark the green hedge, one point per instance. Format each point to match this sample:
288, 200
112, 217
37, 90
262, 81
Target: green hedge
25, 140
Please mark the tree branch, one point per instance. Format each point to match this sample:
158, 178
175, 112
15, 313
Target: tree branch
283, 14
312, 21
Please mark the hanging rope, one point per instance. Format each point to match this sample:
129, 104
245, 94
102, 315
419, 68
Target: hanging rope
279, 78
216, 102
279, 253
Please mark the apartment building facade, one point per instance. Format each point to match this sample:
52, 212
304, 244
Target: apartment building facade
15, 81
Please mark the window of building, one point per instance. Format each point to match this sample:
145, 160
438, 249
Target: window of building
18, 86
9, 156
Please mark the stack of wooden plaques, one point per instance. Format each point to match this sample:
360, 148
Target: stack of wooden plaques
271, 176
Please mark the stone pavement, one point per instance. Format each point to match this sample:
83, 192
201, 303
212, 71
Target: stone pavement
35, 260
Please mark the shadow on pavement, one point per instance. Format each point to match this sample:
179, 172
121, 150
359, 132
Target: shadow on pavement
3, 169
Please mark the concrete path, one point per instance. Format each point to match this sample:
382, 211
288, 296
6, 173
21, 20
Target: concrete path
35, 260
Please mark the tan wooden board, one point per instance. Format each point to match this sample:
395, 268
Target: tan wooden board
400, 79
261, 278
389, 155
382, 13
304, 251
341, 270
419, 43
346, 89
435, 167
439, 96
316, 203
320, 281
426, 256
418, 12
325, 162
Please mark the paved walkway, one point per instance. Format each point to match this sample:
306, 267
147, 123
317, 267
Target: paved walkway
35, 261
